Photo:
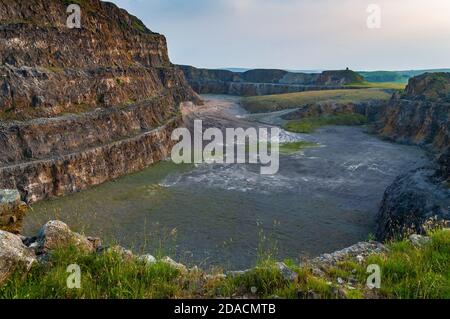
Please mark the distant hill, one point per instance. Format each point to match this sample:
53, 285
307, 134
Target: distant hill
267, 81
369, 76
396, 76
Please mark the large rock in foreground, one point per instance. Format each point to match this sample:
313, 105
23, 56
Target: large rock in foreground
57, 235
12, 211
412, 204
14, 255
421, 116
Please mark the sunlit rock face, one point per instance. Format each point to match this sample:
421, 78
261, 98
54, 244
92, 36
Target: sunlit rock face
420, 115
81, 106
47, 69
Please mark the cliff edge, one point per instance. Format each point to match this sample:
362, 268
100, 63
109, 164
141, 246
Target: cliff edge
421, 116
81, 106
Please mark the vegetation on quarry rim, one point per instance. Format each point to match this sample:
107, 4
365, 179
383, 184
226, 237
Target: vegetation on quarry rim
407, 271
270, 103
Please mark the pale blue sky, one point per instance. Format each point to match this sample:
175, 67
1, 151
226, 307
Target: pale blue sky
300, 34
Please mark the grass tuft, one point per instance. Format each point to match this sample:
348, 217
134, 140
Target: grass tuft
310, 124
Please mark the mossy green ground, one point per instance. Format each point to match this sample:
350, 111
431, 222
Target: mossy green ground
407, 272
380, 85
310, 124
270, 103
294, 147
284, 148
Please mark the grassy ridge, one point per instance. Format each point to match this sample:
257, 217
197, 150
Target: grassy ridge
310, 124
270, 103
407, 271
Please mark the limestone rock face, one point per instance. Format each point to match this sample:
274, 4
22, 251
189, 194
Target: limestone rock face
14, 255
47, 69
12, 211
57, 235
410, 203
429, 86
420, 116
424, 123
82, 106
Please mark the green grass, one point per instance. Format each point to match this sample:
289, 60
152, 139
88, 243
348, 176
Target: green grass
407, 272
55, 69
310, 124
294, 147
102, 276
270, 103
380, 85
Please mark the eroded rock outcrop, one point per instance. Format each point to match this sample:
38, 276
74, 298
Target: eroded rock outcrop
56, 235
421, 116
14, 255
266, 81
414, 203
48, 69
12, 211
81, 106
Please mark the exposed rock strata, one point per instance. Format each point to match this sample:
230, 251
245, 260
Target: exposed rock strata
47, 68
113, 76
424, 123
413, 204
43, 138
41, 179
266, 82
421, 116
